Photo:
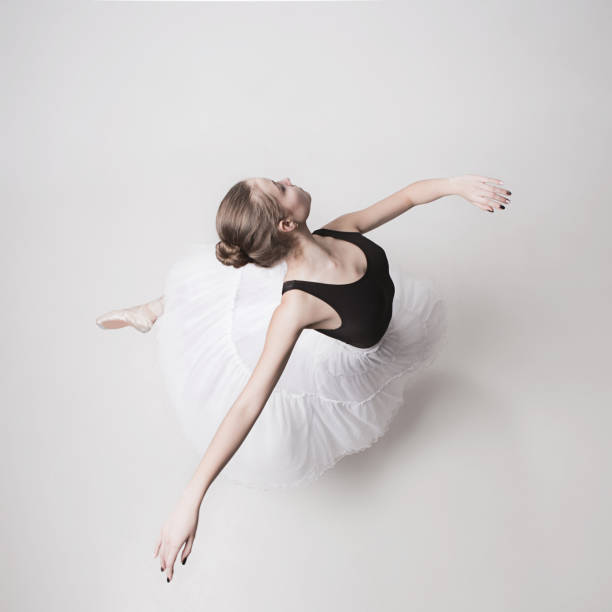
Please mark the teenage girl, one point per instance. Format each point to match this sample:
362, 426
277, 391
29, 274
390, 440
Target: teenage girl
236, 339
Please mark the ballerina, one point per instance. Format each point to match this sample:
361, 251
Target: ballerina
241, 336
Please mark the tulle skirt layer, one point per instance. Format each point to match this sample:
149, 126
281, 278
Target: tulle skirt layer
331, 400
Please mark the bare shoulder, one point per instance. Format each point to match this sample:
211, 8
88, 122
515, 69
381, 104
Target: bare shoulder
300, 309
348, 222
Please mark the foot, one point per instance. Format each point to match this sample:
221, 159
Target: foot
141, 317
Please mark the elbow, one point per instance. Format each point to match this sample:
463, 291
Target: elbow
248, 409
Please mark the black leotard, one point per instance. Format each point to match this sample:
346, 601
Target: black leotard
364, 306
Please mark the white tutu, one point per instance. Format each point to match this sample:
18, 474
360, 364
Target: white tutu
332, 399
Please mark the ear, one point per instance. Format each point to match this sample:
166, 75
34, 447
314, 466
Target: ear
287, 225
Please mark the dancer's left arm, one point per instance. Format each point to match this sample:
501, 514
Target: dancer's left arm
180, 528
484, 192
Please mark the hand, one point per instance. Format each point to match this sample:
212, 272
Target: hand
477, 190
179, 529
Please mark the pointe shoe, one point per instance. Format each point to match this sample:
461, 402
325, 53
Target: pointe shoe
140, 317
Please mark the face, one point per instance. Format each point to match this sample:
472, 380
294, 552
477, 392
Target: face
294, 200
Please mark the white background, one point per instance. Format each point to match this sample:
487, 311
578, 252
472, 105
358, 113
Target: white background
124, 124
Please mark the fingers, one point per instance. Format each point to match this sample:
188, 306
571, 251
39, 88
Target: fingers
488, 179
492, 198
169, 555
170, 566
482, 201
502, 191
157, 548
186, 550
497, 200
161, 549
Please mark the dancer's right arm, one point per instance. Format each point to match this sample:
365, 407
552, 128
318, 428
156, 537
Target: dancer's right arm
287, 322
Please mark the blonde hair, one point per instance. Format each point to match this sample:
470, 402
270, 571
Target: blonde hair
247, 224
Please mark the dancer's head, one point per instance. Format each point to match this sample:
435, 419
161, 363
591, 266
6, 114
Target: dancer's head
257, 221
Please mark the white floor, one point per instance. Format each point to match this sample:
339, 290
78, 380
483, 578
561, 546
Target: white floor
126, 124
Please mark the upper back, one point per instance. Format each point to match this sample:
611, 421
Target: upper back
365, 305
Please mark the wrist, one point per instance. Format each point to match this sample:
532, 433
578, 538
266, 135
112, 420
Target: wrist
194, 495
452, 185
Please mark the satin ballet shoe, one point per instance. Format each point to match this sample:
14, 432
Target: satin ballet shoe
140, 317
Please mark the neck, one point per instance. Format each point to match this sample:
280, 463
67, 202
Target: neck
307, 255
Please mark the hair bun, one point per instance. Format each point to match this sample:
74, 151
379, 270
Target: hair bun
231, 254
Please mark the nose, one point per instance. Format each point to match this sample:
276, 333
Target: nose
287, 181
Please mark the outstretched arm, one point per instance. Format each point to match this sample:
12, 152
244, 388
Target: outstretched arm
482, 191
282, 334
485, 192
